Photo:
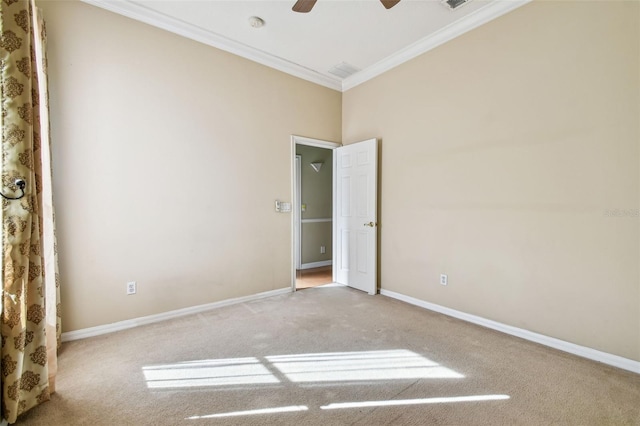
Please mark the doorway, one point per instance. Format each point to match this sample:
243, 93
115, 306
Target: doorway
313, 212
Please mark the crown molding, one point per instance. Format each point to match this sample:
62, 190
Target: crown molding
451, 31
193, 32
176, 26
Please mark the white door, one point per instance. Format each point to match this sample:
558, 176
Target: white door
356, 168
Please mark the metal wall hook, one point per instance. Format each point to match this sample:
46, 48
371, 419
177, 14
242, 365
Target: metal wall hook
21, 184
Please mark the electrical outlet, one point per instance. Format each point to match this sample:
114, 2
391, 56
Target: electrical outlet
132, 287
443, 279
323, 250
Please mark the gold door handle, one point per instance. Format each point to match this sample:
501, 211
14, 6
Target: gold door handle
370, 224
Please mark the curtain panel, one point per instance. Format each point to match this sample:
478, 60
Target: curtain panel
30, 324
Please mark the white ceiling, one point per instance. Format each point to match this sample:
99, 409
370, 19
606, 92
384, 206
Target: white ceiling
361, 33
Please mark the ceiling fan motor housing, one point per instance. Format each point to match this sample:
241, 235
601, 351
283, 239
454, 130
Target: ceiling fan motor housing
454, 3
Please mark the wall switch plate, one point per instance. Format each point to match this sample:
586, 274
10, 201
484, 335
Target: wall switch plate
444, 279
285, 207
132, 287
282, 206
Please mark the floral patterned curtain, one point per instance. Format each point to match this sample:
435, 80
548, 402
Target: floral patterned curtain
30, 328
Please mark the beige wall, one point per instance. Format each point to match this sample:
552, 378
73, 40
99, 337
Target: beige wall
317, 196
503, 152
315, 235
168, 155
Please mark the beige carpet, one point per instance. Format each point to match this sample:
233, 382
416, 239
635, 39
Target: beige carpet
329, 356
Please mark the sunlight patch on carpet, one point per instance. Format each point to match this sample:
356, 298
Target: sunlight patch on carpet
218, 372
276, 410
400, 364
360, 366
390, 403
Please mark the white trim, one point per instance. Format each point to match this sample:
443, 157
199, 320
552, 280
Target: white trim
334, 223
316, 264
448, 33
297, 213
318, 143
583, 351
151, 319
193, 32
327, 219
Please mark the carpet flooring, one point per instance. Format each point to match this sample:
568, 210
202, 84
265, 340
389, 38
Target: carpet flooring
329, 355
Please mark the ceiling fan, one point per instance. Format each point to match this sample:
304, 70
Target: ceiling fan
304, 6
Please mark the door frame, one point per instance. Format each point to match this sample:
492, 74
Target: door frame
318, 143
297, 217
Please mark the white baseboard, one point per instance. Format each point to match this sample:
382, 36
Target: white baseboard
123, 325
583, 351
316, 264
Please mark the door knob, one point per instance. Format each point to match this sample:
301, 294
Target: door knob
370, 224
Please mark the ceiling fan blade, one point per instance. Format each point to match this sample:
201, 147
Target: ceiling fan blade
304, 6
389, 3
